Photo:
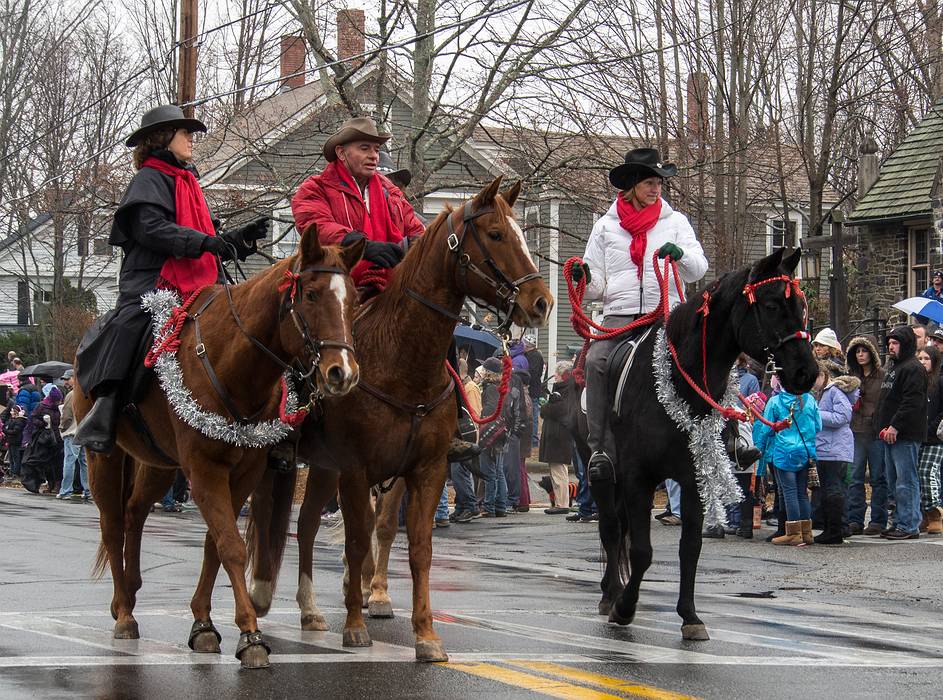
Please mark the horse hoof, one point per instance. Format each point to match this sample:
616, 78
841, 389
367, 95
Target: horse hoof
604, 607
695, 633
380, 609
619, 619
127, 630
254, 657
252, 650
357, 637
429, 650
205, 643
314, 623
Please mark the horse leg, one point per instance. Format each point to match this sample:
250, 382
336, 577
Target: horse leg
150, 484
321, 486
380, 604
263, 571
425, 483
358, 527
107, 477
612, 537
638, 500
220, 492
692, 521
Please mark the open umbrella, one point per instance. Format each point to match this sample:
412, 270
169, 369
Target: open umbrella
481, 344
921, 306
53, 369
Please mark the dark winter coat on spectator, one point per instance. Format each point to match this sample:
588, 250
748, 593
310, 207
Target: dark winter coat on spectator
862, 420
520, 387
903, 402
502, 426
556, 445
536, 367
934, 412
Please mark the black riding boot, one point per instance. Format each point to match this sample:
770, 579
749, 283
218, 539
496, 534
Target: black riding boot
832, 508
96, 432
746, 518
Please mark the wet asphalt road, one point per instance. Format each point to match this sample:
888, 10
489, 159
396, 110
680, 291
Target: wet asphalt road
515, 603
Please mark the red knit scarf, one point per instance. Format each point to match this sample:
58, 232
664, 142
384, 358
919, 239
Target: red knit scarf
186, 275
377, 223
638, 222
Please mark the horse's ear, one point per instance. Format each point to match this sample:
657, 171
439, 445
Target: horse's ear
311, 251
353, 252
511, 194
487, 195
791, 262
764, 267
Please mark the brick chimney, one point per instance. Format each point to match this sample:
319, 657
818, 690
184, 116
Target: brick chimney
868, 165
697, 107
350, 34
292, 60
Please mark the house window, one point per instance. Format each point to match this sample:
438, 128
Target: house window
782, 233
919, 261
101, 247
42, 296
22, 303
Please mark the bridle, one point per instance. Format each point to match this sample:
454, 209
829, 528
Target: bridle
506, 289
297, 369
792, 287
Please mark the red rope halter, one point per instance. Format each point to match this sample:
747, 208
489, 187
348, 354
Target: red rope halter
582, 324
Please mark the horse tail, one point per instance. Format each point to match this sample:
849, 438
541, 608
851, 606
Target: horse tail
127, 484
282, 495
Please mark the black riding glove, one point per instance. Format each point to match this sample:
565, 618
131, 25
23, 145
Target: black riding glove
381, 254
244, 237
218, 247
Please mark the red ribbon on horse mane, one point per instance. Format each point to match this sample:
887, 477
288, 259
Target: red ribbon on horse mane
186, 275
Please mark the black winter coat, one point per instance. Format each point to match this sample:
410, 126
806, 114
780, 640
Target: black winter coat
556, 444
934, 412
903, 401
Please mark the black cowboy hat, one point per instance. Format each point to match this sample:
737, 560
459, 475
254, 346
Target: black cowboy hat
165, 116
356, 129
639, 164
387, 167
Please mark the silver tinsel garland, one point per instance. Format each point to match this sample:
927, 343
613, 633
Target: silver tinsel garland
716, 484
159, 304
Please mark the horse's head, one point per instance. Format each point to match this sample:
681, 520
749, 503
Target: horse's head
774, 325
318, 310
493, 264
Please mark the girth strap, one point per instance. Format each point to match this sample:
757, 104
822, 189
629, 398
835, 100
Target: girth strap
416, 412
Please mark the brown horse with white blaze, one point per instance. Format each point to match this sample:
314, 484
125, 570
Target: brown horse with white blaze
400, 420
296, 316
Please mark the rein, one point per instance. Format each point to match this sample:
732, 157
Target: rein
582, 324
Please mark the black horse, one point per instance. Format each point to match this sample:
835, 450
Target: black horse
766, 321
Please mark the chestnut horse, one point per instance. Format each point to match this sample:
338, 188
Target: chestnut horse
297, 315
400, 421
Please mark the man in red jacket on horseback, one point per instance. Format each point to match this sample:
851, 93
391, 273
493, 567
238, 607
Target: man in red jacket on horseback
350, 199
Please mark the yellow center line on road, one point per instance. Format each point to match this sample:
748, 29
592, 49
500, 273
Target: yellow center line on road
537, 684
634, 688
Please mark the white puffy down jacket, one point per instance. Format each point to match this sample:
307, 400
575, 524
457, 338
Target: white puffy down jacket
615, 278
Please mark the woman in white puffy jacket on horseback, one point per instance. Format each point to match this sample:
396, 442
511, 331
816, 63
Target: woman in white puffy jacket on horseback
619, 271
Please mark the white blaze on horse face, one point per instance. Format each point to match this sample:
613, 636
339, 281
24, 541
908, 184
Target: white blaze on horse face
522, 241
305, 597
339, 287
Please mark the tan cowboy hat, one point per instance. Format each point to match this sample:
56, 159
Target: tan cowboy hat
356, 129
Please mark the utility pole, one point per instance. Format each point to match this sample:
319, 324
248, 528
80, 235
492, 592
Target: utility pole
186, 82
838, 288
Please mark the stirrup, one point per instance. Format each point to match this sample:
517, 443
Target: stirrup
600, 468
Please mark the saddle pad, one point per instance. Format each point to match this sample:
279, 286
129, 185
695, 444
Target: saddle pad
622, 357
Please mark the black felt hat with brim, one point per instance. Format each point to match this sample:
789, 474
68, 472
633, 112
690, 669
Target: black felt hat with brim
164, 117
640, 163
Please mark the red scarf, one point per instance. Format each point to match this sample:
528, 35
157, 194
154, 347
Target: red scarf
638, 222
186, 275
377, 223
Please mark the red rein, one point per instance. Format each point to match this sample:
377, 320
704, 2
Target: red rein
582, 324
174, 324
506, 369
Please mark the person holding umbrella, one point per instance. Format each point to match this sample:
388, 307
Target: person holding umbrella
170, 241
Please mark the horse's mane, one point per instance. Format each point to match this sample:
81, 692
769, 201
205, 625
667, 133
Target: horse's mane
725, 288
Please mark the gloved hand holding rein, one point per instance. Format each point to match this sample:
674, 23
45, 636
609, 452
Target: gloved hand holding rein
218, 247
579, 271
380, 253
670, 250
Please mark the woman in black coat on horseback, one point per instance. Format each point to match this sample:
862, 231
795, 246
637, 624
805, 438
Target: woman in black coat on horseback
170, 240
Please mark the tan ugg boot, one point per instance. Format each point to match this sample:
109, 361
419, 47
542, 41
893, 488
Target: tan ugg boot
806, 526
934, 521
793, 534
924, 522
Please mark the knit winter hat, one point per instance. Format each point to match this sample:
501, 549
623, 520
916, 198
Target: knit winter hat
493, 364
827, 337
